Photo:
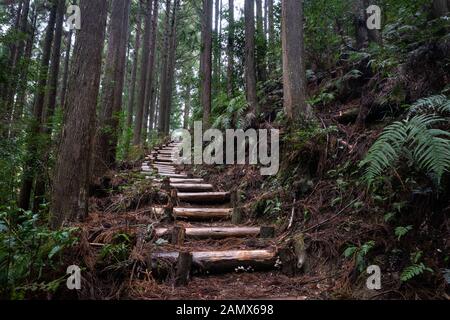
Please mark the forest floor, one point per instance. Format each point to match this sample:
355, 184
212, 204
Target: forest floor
116, 243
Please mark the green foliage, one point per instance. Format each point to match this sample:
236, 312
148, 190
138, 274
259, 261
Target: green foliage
435, 104
30, 253
359, 254
118, 251
415, 139
402, 231
228, 114
417, 268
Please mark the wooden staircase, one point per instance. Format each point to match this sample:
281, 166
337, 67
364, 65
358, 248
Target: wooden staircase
209, 214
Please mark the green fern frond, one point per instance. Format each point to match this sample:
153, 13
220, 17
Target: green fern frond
413, 271
415, 139
436, 104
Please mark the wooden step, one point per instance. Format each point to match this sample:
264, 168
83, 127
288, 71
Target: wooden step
194, 180
192, 187
214, 232
204, 196
176, 175
222, 261
202, 213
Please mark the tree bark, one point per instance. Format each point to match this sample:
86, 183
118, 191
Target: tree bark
271, 32
107, 135
206, 61
49, 112
36, 125
151, 71
230, 50
187, 106
217, 44
62, 99
261, 44
171, 65
250, 72
143, 74
137, 47
22, 86
294, 75
71, 179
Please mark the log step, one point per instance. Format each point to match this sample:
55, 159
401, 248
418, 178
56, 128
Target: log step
214, 232
175, 180
222, 261
176, 175
192, 186
202, 213
204, 197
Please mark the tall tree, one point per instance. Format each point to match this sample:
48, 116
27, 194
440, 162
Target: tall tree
217, 42
137, 48
171, 64
206, 61
72, 172
16, 53
107, 135
261, 43
31, 31
230, 49
250, 72
163, 91
187, 105
147, 10
294, 75
151, 71
35, 128
62, 99
49, 111
271, 34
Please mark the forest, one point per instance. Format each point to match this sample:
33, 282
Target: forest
353, 97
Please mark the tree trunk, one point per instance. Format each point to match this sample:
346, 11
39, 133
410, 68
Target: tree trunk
107, 135
54, 67
217, 44
143, 76
187, 106
62, 99
230, 50
261, 43
294, 76
17, 49
163, 100
171, 65
271, 32
22, 86
52, 89
72, 172
205, 62
38, 116
250, 73
151, 70
137, 47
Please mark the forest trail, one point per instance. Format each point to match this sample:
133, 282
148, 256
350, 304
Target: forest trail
198, 212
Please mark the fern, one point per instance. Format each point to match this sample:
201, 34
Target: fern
414, 271
433, 104
414, 138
